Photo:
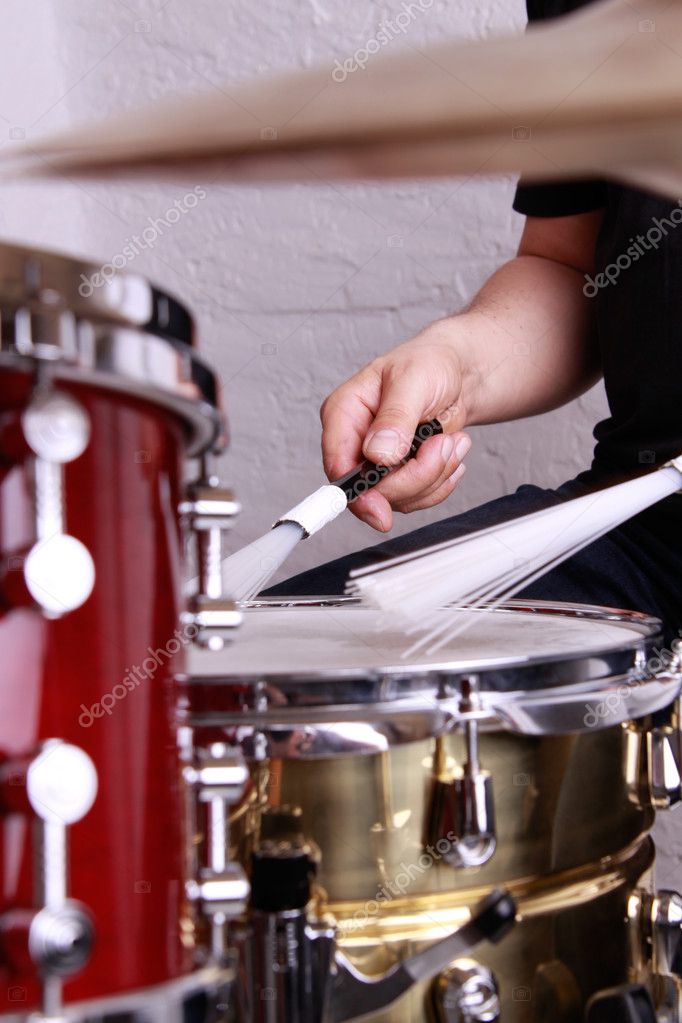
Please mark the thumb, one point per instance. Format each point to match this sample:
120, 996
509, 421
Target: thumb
390, 436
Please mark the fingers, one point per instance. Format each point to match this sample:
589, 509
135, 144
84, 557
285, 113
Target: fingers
438, 495
375, 415
405, 394
346, 416
374, 509
420, 483
436, 461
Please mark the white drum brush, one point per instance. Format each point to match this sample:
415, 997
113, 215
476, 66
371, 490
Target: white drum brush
248, 571
490, 566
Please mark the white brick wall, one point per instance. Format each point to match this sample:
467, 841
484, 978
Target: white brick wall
294, 287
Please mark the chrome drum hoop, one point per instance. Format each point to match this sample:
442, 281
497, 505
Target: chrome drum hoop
308, 714
127, 336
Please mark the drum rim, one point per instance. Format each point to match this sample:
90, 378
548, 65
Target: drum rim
93, 333
101, 359
124, 300
405, 704
648, 626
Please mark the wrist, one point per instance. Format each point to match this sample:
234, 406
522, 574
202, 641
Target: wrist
456, 336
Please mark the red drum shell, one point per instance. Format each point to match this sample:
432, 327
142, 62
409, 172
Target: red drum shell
102, 678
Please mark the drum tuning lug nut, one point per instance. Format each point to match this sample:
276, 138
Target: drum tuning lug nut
466, 993
56, 426
209, 511
58, 940
664, 772
664, 910
219, 772
58, 571
57, 786
222, 896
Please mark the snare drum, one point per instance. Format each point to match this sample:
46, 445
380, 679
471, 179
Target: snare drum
102, 398
416, 785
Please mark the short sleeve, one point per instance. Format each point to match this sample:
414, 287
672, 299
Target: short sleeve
559, 198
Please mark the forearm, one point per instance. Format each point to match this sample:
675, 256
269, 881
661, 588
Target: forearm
527, 342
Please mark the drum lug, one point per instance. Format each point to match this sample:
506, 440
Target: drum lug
217, 779
461, 807
654, 760
209, 511
466, 993
662, 921
56, 787
58, 573
664, 760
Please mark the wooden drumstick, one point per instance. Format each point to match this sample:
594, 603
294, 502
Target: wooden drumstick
596, 92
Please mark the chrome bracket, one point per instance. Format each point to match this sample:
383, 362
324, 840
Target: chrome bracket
654, 760
461, 808
209, 510
219, 888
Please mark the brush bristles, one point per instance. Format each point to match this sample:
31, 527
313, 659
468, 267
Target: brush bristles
248, 571
494, 564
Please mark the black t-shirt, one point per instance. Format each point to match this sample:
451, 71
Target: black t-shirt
637, 289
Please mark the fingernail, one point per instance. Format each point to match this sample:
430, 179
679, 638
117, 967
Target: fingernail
386, 444
462, 447
374, 522
447, 448
458, 473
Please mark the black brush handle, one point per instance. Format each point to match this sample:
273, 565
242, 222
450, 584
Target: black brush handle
366, 475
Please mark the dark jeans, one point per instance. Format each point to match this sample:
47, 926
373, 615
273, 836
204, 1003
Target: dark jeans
637, 566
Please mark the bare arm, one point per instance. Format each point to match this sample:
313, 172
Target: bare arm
524, 345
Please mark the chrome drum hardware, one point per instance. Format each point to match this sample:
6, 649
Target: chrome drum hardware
290, 968
209, 511
57, 788
218, 888
466, 993
654, 762
659, 917
59, 570
461, 809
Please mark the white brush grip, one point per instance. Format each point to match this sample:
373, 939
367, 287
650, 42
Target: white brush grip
317, 510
